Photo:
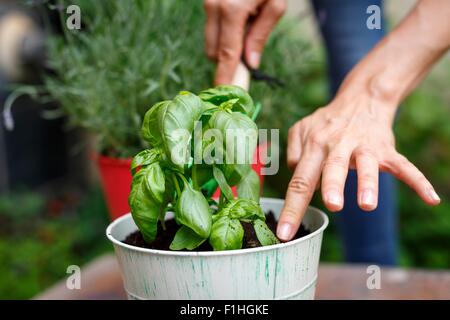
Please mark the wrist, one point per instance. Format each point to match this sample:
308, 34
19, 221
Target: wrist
367, 95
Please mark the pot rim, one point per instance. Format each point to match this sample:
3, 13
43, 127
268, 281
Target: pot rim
216, 253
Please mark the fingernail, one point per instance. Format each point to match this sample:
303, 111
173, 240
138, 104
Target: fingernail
368, 197
254, 59
284, 231
433, 195
333, 197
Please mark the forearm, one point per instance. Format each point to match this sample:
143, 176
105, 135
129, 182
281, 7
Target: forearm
401, 60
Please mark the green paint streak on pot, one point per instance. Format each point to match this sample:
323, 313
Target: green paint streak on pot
202, 273
258, 266
266, 274
146, 289
277, 264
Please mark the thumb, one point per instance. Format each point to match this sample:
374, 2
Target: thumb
260, 30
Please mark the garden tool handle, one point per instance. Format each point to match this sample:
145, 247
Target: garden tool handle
241, 77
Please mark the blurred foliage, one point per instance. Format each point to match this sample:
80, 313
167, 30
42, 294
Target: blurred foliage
39, 239
131, 54
423, 135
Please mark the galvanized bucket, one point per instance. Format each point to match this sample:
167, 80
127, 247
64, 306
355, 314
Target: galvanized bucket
282, 271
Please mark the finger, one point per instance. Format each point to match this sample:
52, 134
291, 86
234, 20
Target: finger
334, 174
299, 193
260, 30
212, 28
404, 170
367, 171
232, 28
294, 146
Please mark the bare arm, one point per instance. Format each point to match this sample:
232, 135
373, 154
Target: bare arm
355, 129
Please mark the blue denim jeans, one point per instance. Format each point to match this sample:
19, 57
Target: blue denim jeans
367, 237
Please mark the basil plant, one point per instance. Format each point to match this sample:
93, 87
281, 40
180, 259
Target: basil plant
191, 153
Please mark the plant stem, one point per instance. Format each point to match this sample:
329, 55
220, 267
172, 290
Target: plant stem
221, 200
177, 186
194, 177
163, 222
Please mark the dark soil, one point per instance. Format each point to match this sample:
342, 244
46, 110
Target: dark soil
165, 237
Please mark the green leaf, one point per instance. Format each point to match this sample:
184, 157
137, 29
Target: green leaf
234, 173
150, 130
241, 209
204, 173
144, 158
221, 94
226, 234
223, 185
192, 210
186, 238
146, 196
168, 197
249, 187
264, 234
176, 122
240, 136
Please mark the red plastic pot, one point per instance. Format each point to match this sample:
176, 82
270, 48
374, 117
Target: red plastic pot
116, 181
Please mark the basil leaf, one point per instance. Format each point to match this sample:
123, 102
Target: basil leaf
144, 158
150, 130
168, 196
264, 234
176, 122
146, 196
223, 185
240, 135
221, 94
192, 210
226, 234
242, 209
186, 238
205, 179
249, 187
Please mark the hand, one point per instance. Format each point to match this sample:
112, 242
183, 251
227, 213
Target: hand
227, 32
353, 132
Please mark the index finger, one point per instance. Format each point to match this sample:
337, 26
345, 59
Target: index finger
232, 29
212, 27
300, 191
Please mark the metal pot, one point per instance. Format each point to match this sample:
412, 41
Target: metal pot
281, 271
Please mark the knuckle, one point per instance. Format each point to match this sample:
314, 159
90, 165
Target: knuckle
366, 178
230, 6
258, 40
290, 214
402, 161
210, 54
210, 5
336, 161
227, 54
278, 7
316, 139
300, 185
365, 151
292, 162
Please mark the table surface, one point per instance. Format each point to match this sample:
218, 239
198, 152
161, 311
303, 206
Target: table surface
101, 280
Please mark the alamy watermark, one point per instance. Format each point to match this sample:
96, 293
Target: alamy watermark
373, 22
73, 21
73, 281
374, 279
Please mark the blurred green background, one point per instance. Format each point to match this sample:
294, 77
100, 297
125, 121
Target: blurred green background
46, 233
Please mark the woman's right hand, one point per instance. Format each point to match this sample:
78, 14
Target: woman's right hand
228, 35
